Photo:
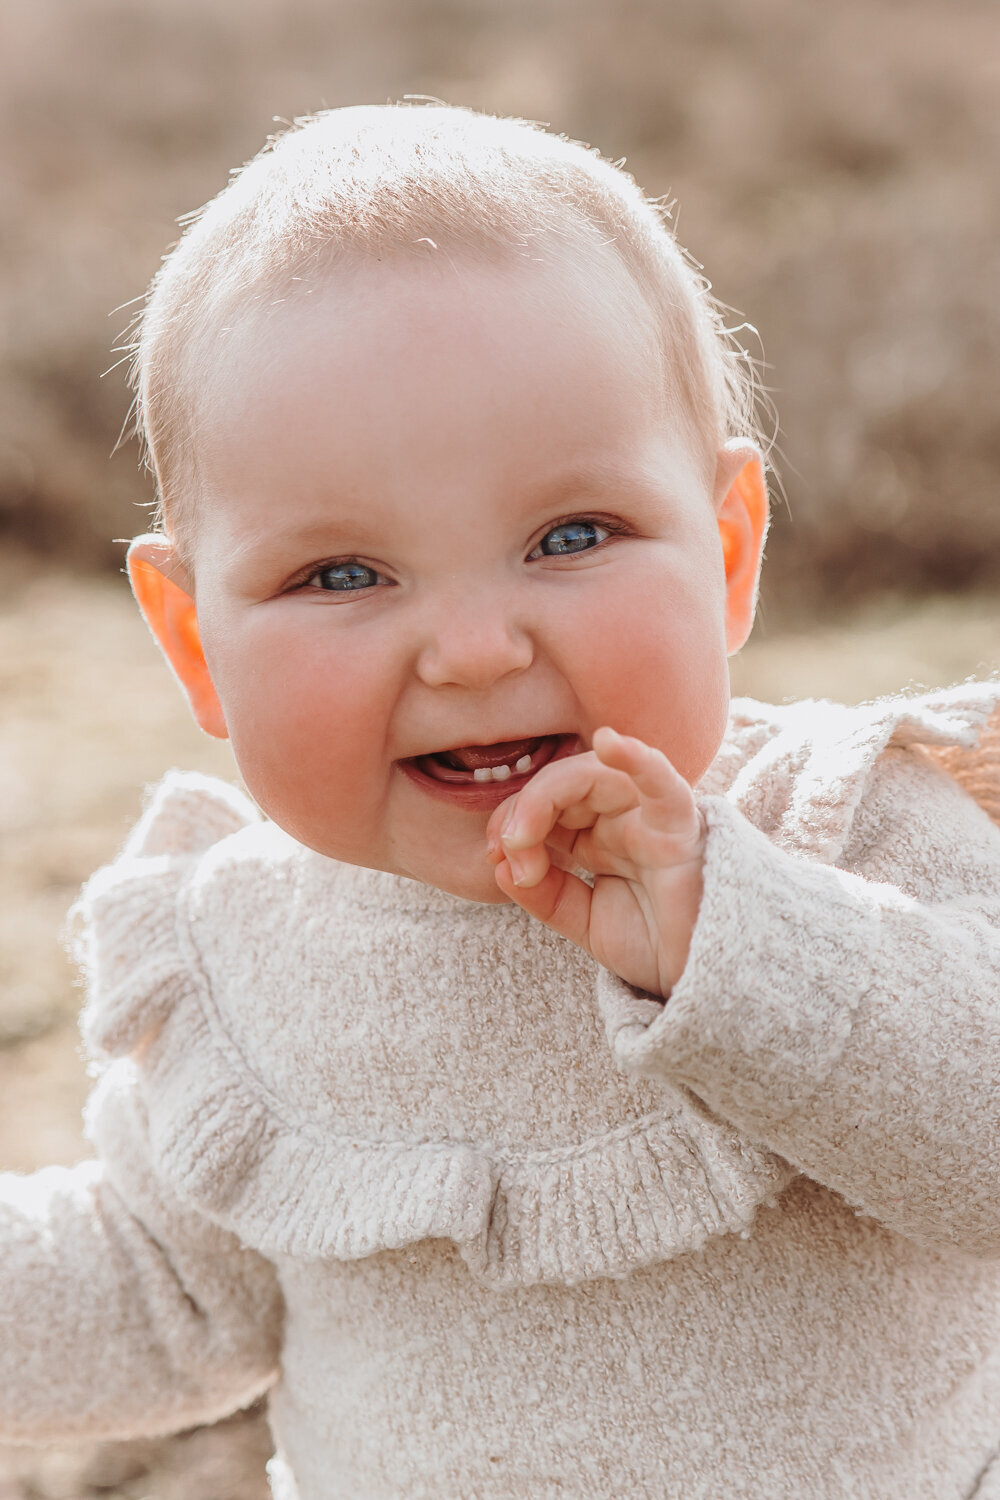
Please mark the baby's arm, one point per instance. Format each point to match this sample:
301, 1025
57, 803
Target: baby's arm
849, 1021
124, 1311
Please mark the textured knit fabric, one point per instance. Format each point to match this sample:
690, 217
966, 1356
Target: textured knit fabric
489, 1223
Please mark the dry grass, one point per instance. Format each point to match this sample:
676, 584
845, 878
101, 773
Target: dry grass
834, 167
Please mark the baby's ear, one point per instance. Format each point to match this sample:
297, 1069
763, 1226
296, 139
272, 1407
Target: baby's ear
163, 592
741, 507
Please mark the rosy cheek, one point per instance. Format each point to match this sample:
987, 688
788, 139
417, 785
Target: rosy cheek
658, 673
304, 717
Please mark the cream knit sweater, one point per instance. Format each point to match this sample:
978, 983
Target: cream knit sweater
488, 1223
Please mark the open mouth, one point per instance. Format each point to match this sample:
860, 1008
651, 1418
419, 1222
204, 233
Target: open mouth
483, 775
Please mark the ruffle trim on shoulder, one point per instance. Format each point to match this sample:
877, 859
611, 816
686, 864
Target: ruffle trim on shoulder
804, 786
187, 813
124, 924
975, 763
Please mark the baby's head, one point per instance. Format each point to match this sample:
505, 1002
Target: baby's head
455, 464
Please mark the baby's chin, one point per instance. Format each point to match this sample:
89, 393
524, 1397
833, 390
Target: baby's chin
465, 873
471, 884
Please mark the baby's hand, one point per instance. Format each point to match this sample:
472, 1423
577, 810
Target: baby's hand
621, 812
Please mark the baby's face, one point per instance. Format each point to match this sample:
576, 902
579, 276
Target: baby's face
449, 524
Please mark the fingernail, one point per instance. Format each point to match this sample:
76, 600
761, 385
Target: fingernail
518, 870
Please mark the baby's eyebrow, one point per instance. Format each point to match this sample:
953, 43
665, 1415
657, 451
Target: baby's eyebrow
597, 482
356, 527
325, 532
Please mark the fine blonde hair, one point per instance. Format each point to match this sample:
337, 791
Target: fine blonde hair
346, 185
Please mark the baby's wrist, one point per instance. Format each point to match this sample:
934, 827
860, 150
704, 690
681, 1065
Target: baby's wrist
680, 904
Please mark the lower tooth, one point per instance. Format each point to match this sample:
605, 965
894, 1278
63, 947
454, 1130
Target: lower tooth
501, 773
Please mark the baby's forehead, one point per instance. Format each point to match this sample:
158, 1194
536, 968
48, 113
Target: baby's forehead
471, 311
426, 338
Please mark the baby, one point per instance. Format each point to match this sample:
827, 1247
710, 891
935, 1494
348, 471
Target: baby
571, 1085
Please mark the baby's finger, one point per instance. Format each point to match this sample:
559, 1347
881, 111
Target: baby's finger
665, 795
573, 792
498, 821
532, 864
528, 867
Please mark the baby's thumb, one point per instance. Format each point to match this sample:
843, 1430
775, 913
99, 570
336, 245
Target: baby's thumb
560, 900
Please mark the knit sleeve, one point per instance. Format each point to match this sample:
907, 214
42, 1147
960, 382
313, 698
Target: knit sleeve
848, 1018
123, 1310
124, 1313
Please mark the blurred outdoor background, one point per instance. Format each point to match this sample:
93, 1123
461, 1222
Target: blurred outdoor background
835, 169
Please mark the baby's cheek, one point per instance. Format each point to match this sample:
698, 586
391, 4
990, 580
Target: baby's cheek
319, 796
666, 682
306, 732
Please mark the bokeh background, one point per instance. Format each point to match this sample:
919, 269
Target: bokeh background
834, 168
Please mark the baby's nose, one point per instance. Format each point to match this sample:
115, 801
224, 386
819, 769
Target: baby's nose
473, 644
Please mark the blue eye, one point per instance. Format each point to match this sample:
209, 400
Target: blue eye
570, 536
346, 577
